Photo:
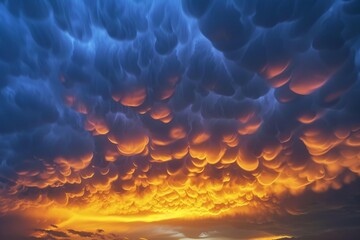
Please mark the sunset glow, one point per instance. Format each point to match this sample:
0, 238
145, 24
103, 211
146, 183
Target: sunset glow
180, 119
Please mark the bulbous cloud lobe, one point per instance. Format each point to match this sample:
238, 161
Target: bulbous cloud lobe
188, 107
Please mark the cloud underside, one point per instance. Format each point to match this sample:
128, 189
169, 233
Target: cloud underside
177, 108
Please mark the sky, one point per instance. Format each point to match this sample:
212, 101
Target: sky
211, 119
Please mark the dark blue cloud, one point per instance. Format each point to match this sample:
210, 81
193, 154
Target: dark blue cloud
104, 93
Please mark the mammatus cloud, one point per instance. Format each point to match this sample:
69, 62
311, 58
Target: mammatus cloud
171, 109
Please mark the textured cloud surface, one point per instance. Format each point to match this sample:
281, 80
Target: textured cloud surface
170, 109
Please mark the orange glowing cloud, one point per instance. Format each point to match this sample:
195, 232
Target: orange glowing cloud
133, 98
189, 110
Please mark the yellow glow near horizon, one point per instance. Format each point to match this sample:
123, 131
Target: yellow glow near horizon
76, 216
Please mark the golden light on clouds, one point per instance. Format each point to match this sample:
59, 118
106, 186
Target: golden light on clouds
179, 112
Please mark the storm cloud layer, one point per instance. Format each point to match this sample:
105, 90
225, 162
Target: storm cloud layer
177, 107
